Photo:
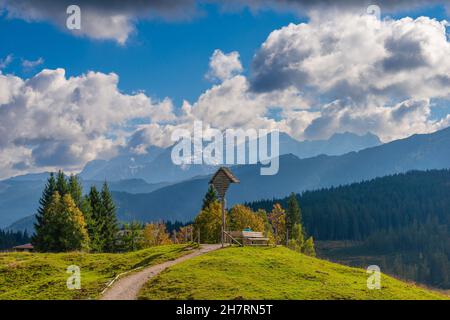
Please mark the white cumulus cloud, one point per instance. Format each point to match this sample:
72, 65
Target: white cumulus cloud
51, 121
335, 73
359, 69
224, 66
103, 20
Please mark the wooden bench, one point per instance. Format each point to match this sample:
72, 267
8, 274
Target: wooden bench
250, 238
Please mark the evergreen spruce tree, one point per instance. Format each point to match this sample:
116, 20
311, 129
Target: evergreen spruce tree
48, 235
61, 223
293, 214
210, 197
44, 202
109, 226
9, 239
82, 202
63, 227
76, 190
95, 219
61, 184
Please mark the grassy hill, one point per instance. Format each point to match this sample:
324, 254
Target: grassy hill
272, 273
232, 273
33, 276
399, 222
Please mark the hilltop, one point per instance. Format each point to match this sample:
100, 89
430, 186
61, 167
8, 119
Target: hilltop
399, 222
272, 273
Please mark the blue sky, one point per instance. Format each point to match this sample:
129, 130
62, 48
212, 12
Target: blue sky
166, 59
163, 58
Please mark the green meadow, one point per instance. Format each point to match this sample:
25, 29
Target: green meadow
230, 273
34, 276
272, 273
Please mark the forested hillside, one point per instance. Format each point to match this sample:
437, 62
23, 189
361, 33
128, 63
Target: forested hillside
403, 220
417, 152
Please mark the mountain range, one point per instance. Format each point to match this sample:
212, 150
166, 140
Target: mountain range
143, 173
156, 165
181, 200
418, 152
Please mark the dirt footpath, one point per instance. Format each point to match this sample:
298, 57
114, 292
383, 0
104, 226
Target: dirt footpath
127, 288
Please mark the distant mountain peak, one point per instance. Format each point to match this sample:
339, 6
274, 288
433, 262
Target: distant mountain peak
337, 144
418, 152
156, 165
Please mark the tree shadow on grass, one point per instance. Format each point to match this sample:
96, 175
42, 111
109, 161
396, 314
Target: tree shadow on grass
173, 255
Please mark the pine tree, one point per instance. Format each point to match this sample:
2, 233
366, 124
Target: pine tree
63, 227
44, 202
95, 219
109, 220
210, 197
293, 214
76, 190
9, 239
61, 184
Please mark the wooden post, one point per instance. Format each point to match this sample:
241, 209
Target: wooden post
198, 231
223, 221
221, 180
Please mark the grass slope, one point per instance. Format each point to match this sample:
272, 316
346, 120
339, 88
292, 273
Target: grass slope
272, 273
43, 275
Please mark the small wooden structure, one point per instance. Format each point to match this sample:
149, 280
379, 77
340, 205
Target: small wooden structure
221, 180
249, 238
24, 248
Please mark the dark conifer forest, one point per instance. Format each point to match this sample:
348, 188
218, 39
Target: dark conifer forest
9, 239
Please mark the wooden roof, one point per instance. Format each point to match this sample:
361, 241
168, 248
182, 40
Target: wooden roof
24, 246
227, 173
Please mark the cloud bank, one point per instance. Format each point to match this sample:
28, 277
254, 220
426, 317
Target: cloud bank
334, 74
359, 70
51, 121
101, 20
349, 72
116, 20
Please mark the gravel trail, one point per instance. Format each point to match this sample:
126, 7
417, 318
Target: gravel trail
127, 288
